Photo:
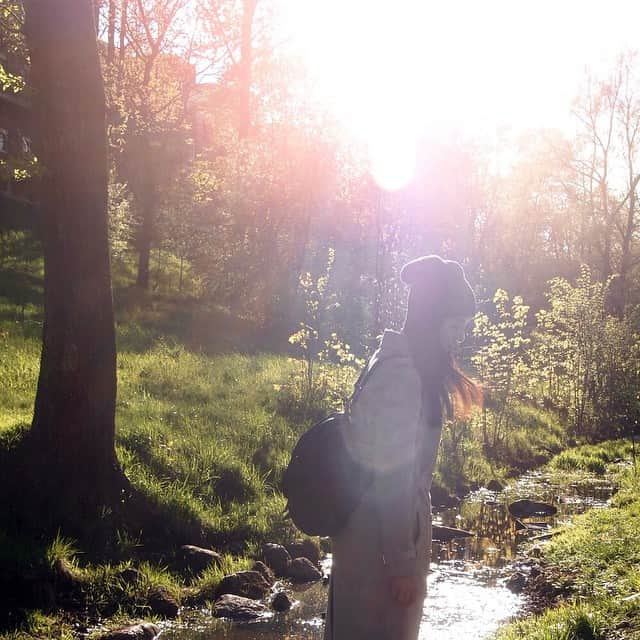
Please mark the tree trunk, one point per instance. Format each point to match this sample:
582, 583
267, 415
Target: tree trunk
245, 68
74, 418
145, 238
111, 32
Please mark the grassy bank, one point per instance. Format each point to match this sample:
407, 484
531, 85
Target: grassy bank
205, 423
595, 561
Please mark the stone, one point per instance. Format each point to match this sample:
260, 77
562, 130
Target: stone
143, 631
196, 559
162, 603
247, 584
264, 571
439, 496
277, 558
528, 508
516, 582
281, 602
445, 534
535, 572
129, 575
65, 577
238, 608
494, 485
302, 570
304, 549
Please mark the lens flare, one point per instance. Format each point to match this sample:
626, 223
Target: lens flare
393, 160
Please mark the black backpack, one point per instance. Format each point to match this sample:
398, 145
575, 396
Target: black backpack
323, 484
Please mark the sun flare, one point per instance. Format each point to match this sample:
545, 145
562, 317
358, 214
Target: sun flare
393, 71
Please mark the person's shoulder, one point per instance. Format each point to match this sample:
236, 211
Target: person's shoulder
394, 376
393, 359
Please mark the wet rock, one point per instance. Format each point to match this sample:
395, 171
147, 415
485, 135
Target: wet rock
304, 549
281, 602
162, 603
440, 497
528, 508
516, 582
277, 558
264, 571
144, 631
445, 534
246, 584
196, 559
494, 485
129, 575
535, 572
531, 526
64, 575
325, 545
238, 608
302, 570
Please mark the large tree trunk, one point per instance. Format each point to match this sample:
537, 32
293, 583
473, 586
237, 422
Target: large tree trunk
74, 419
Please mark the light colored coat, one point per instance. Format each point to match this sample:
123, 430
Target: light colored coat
389, 533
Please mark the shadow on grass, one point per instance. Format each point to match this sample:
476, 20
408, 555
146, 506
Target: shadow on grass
143, 319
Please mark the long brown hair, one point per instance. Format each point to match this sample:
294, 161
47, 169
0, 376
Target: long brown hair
462, 392
446, 390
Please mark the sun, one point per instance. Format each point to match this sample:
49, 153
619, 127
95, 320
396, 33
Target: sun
393, 71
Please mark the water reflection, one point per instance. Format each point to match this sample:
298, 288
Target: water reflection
467, 596
466, 601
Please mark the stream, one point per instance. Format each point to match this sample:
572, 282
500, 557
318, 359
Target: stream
467, 592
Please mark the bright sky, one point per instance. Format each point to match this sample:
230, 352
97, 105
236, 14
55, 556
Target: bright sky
391, 69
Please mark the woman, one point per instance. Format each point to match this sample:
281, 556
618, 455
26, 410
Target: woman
381, 558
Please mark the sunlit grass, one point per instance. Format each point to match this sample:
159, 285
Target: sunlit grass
597, 559
593, 458
197, 435
568, 622
38, 624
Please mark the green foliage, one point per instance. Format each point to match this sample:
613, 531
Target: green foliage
61, 549
586, 360
500, 360
11, 81
533, 438
327, 365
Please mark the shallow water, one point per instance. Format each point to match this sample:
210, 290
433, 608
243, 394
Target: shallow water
467, 596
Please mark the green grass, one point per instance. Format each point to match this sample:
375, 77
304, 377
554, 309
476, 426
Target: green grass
197, 435
592, 458
37, 624
531, 440
202, 435
596, 558
568, 622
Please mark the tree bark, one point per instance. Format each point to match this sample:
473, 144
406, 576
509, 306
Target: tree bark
74, 418
245, 68
111, 32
